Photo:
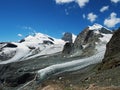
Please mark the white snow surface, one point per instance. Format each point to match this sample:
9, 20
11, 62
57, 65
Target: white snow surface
95, 27
8, 50
73, 37
106, 37
39, 38
51, 49
23, 51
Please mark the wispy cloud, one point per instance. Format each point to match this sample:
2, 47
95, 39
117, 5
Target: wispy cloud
28, 28
63, 1
112, 20
20, 35
81, 3
84, 16
104, 8
66, 12
92, 17
115, 1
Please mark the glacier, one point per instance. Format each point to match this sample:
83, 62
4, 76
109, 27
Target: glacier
70, 66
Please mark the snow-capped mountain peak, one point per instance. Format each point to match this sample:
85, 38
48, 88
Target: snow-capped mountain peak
95, 27
69, 37
30, 47
37, 37
90, 40
99, 29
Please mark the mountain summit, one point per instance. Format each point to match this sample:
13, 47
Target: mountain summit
95, 27
69, 37
30, 47
90, 40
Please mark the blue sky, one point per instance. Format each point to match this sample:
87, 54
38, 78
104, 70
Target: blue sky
18, 18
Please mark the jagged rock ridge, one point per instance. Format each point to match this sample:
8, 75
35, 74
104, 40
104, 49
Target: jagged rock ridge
86, 42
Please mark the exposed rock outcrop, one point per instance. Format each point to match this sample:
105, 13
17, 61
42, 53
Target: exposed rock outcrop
86, 42
67, 48
67, 37
112, 55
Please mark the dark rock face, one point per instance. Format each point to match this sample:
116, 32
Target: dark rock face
23, 40
51, 38
86, 37
85, 42
67, 37
11, 45
15, 81
112, 55
13, 78
7, 44
113, 47
67, 48
47, 42
103, 30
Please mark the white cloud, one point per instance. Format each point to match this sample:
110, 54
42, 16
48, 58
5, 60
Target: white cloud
20, 35
112, 20
92, 17
63, 1
115, 1
81, 3
104, 8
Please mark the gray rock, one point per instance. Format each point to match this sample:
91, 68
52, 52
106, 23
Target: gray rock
67, 37
85, 43
112, 54
67, 48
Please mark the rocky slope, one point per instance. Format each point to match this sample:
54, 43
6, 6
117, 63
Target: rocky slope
112, 54
88, 40
69, 37
104, 76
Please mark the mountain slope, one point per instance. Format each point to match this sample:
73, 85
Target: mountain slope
88, 41
69, 37
30, 47
91, 41
112, 54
